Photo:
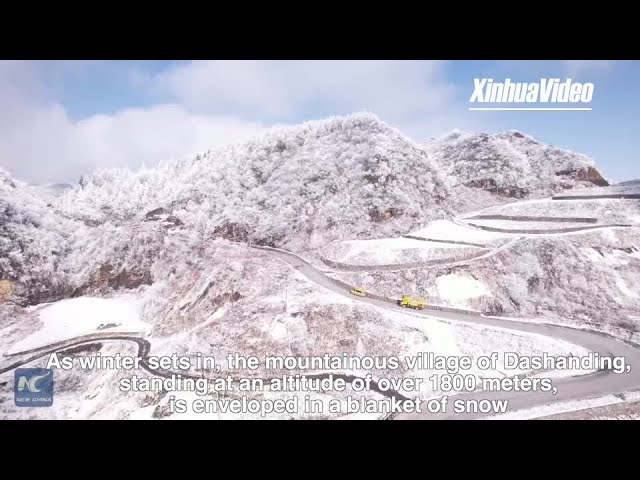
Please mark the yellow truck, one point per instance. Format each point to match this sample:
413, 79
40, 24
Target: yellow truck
410, 302
358, 291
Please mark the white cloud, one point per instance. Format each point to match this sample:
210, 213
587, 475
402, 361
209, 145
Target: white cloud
205, 104
40, 143
46, 146
577, 67
395, 90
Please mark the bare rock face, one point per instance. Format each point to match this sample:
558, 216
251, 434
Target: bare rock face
588, 174
593, 176
6, 289
44, 293
491, 186
108, 277
237, 232
232, 231
377, 215
156, 214
163, 215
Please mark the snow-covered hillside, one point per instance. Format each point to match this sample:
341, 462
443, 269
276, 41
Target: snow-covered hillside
605, 211
232, 299
173, 241
512, 164
394, 251
296, 187
36, 242
586, 277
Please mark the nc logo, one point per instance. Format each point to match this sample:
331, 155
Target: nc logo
33, 387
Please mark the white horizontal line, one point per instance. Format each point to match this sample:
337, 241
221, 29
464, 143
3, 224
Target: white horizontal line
584, 109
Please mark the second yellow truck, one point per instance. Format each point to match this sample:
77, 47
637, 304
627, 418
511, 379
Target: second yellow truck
410, 302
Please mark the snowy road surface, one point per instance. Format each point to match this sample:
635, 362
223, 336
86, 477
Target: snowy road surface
573, 388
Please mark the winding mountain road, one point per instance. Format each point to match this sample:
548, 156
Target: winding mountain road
599, 383
144, 347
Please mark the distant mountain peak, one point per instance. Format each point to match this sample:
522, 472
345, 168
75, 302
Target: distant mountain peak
631, 182
512, 164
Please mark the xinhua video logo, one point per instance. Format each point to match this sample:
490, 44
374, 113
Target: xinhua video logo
563, 95
33, 387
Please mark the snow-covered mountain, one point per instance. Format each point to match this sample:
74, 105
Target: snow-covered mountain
630, 182
35, 241
298, 188
165, 250
512, 164
295, 187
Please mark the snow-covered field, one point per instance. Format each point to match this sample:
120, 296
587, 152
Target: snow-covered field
457, 231
81, 316
520, 225
394, 251
458, 289
632, 188
605, 210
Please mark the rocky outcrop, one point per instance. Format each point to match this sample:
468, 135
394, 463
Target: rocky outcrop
588, 174
156, 214
34, 294
237, 232
163, 215
512, 164
108, 277
377, 215
6, 289
232, 231
491, 186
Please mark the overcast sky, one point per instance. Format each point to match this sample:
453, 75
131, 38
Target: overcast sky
60, 119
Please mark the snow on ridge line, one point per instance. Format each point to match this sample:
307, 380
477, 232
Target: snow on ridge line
511, 164
289, 190
271, 135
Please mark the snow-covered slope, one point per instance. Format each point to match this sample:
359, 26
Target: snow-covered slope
298, 188
173, 237
582, 278
395, 251
35, 242
295, 187
512, 164
605, 211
